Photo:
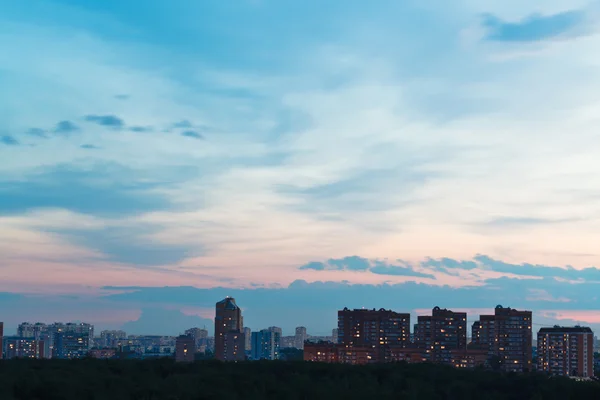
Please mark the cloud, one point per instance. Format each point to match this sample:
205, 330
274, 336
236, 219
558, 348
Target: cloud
122, 96
8, 141
165, 322
183, 124
100, 189
140, 129
37, 132
303, 302
65, 128
106, 120
360, 264
395, 270
89, 147
192, 134
534, 28
131, 244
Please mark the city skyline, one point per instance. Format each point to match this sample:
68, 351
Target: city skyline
301, 158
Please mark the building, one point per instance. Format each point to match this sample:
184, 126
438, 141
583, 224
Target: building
334, 335
300, 337
28, 330
18, 347
69, 344
112, 339
248, 339
228, 319
378, 329
288, 342
185, 348
1, 339
266, 344
234, 346
507, 336
441, 333
325, 352
103, 353
566, 351
200, 337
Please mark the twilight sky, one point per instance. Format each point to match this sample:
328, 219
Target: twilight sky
301, 156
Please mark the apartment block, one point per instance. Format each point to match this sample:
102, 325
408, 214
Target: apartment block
506, 336
566, 351
441, 333
361, 329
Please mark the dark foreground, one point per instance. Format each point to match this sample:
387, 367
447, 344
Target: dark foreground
163, 379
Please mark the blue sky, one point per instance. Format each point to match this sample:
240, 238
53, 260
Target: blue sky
159, 155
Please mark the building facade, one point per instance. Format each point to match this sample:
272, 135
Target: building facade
68, 345
185, 348
440, 334
228, 330
566, 351
17, 347
375, 329
300, 337
507, 336
266, 344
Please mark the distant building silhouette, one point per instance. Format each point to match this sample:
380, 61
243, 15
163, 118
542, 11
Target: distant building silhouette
300, 337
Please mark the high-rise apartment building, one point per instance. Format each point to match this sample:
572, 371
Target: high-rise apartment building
24, 348
199, 335
247, 338
266, 344
566, 351
507, 336
229, 331
334, 335
300, 337
441, 334
373, 329
70, 344
234, 346
1, 339
112, 339
28, 330
185, 348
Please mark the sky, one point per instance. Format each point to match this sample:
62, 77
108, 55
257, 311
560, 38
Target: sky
300, 156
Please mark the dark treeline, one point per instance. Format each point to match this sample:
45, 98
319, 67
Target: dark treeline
90, 379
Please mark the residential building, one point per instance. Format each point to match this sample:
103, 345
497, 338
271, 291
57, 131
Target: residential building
1, 339
377, 329
266, 344
300, 337
29, 330
69, 344
334, 335
234, 346
200, 337
566, 351
248, 339
507, 336
103, 353
112, 339
288, 342
325, 352
228, 324
185, 348
18, 347
441, 333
